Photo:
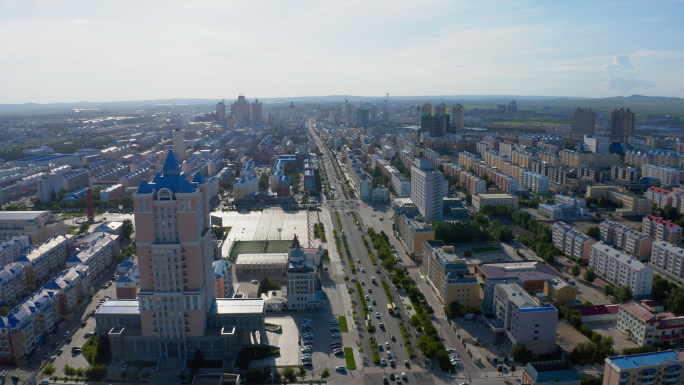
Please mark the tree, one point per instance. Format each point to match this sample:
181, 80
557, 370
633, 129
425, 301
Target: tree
69, 371
597, 215
302, 372
455, 309
133, 374
289, 374
84, 227
469, 199
675, 303
662, 288
608, 290
55, 208
325, 374
594, 232
575, 270
590, 275
49, 369
128, 229
127, 201
602, 202
624, 294
520, 353
4, 310
255, 375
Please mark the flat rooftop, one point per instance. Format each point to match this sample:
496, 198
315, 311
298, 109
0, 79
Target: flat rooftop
43, 158
496, 196
647, 359
237, 306
119, 306
22, 215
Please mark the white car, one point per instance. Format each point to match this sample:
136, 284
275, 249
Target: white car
306, 355
403, 375
387, 345
370, 308
306, 349
383, 362
340, 368
377, 315
363, 270
336, 335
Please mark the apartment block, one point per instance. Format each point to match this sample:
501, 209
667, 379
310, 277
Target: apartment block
668, 175
413, 231
75, 180
579, 159
607, 231
451, 170
511, 169
12, 248
572, 242
427, 189
549, 158
112, 192
481, 200
401, 185
668, 259
638, 159
537, 183
483, 147
46, 259
448, 274
98, 254
624, 172
505, 183
495, 159
661, 367
662, 230
467, 159
621, 269
13, 287
47, 185
523, 158
472, 183
135, 178
73, 285
645, 325
112, 175
524, 320
507, 148
597, 144
482, 169
633, 242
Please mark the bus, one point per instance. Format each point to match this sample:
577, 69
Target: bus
390, 308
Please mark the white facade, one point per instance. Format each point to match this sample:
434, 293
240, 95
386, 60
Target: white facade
621, 269
46, 259
98, 254
670, 258
597, 144
668, 175
401, 185
426, 190
534, 182
13, 286
12, 248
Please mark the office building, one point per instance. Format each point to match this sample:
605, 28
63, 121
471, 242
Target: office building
481, 200
257, 114
177, 313
292, 113
597, 144
427, 189
622, 124
401, 185
646, 325
448, 274
362, 117
662, 367
621, 269
38, 226
221, 110
583, 122
179, 143
512, 108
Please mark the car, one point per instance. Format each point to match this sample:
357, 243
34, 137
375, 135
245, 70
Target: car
383, 362
387, 345
45, 356
406, 363
403, 375
398, 379
306, 355
358, 260
370, 290
306, 359
377, 315
340, 368
255, 281
124, 366
334, 321
53, 358
363, 284
60, 351
306, 349
380, 347
367, 298
84, 324
309, 337
363, 270
68, 340
308, 343
336, 335
66, 334
88, 335
370, 308
104, 286
393, 338
385, 380
389, 355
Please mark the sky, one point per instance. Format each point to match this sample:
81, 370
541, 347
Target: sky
85, 50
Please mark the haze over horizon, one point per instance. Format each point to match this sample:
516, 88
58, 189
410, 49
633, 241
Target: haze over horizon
80, 51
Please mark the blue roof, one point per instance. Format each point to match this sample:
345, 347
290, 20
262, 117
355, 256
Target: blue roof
647, 359
171, 178
43, 158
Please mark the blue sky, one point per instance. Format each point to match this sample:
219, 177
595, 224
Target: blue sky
66, 51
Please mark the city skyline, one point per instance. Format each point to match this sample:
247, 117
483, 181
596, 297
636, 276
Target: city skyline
77, 51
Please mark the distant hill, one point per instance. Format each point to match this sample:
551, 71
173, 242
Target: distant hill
642, 105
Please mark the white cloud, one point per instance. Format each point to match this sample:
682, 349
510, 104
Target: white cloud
79, 21
621, 63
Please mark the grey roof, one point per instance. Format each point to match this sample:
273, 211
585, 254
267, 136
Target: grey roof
515, 269
120, 306
22, 215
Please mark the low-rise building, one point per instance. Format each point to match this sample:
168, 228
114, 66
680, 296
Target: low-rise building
481, 200
226, 282
661, 229
648, 326
128, 283
448, 274
631, 205
662, 367
38, 226
621, 269
559, 372
413, 231
269, 263
560, 291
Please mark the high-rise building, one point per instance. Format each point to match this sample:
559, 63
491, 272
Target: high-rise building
583, 122
348, 112
417, 114
501, 109
622, 125
427, 189
427, 109
220, 110
512, 108
292, 113
362, 118
240, 110
374, 114
179, 143
441, 109
434, 125
257, 117
457, 113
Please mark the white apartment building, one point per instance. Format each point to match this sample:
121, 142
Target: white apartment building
668, 175
621, 269
401, 185
75, 180
426, 189
597, 144
668, 259
662, 230
74, 286
534, 182
572, 242
13, 288
660, 196
507, 148
12, 248
46, 259
98, 255
47, 185
526, 321
633, 242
